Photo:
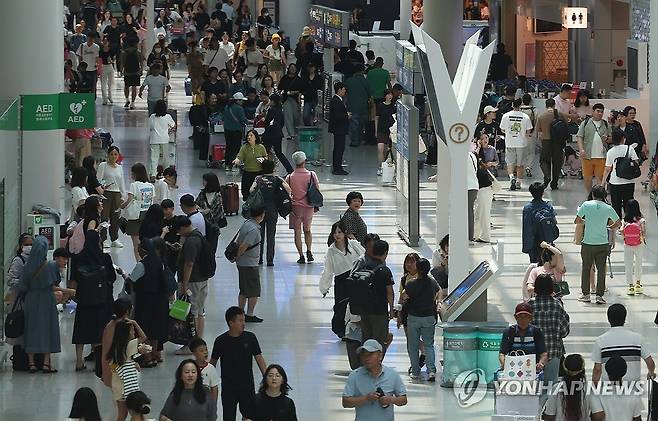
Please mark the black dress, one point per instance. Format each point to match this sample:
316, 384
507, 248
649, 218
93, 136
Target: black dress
91, 320
151, 300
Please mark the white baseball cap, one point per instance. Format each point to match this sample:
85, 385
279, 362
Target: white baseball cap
239, 96
489, 109
371, 345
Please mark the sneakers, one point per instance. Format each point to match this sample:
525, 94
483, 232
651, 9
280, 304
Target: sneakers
431, 377
117, 244
107, 244
528, 172
584, 298
309, 256
514, 184
105, 102
126, 105
600, 300
252, 319
413, 376
132, 105
631, 290
110, 101
301, 260
638, 288
379, 171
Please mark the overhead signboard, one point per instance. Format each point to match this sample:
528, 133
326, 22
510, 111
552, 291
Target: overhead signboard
329, 27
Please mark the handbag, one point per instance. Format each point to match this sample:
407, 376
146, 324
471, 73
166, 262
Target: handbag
313, 195
92, 285
231, 251
255, 200
496, 187
578, 234
180, 309
181, 332
15, 320
561, 288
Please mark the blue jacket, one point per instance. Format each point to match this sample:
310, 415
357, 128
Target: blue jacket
528, 232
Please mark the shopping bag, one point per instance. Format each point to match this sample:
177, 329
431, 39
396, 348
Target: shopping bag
578, 234
180, 309
388, 172
181, 332
519, 366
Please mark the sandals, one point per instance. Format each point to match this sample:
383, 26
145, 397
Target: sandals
33, 369
81, 368
46, 369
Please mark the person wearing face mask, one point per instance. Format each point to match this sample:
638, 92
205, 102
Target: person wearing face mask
264, 20
17, 263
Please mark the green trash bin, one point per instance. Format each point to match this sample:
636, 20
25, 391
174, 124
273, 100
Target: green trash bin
459, 352
489, 336
309, 141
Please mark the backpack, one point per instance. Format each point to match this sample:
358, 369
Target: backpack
77, 240
559, 129
632, 233
361, 286
546, 226
504, 106
206, 259
627, 168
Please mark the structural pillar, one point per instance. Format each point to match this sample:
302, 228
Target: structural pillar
405, 17
293, 17
444, 21
653, 79
38, 69
149, 13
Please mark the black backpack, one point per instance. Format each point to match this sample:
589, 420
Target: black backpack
626, 168
362, 286
504, 107
559, 129
206, 259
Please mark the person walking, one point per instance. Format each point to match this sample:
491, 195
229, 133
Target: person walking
38, 281
339, 119
634, 231
355, 227
598, 217
251, 155
551, 157
358, 98
139, 199
420, 298
110, 175
272, 401
373, 389
273, 135
531, 236
621, 189
270, 186
189, 400
161, 125
290, 87
338, 262
235, 350
618, 405
487, 161
275, 55
247, 239
517, 128
594, 137
234, 123
132, 63
209, 200
108, 57
158, 87
386, 109
302, 212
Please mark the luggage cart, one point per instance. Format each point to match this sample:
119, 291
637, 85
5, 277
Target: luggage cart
217, 141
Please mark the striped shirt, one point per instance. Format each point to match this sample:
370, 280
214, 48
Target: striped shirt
622, 342
531, 342
129, 377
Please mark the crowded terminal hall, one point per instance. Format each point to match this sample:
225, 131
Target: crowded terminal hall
328, 210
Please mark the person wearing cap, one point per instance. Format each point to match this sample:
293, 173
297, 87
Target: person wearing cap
524, 336
303, 40
358, 98
276, 58
302, 212
552, 151
488, 125
373, 389
339, 120
234, 122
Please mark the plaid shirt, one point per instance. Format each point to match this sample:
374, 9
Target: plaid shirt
549, 315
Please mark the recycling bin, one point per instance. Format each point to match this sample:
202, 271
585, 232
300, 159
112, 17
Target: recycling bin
310, 138
489, 336
460, 352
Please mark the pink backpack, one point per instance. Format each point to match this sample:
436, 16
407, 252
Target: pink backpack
633, 234
77, 240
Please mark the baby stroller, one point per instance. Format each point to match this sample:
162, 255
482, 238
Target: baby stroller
572, 166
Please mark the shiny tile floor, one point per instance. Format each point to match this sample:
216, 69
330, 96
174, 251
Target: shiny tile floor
296, 332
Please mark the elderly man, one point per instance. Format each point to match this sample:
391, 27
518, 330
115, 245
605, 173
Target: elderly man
373, 388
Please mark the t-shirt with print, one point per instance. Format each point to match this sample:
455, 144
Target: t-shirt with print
490, 129
89, 55
210, 376
156, 86
596, 215
249, 233
516, 124
235, 356
143, 193
159, 127
598, 150
611, 157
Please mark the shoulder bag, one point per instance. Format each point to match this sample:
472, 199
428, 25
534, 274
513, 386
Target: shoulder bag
15, 321
313, 195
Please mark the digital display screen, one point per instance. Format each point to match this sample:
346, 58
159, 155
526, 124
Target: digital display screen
632, 67
335, 37
329, 27
317, 16
402, 145
334, 20
410, 61
471, 280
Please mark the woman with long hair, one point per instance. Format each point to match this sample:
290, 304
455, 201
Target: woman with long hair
257, 82
209, 199
571, 402
634, 230
110, 176
272, 401
338, 263
267, 84
140, 198
273, 136
153, 222
189, 400
290, 86
84, 406
635, 133
410, 272
93, 185
582, 105
161, 125
251, 154
139, 405
121, 309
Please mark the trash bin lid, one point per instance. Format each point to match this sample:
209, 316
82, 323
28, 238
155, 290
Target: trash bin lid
459, 329
498, 328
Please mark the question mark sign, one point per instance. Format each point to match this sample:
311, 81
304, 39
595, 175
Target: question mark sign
459, 133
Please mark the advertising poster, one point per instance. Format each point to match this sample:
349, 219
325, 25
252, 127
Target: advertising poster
417, 12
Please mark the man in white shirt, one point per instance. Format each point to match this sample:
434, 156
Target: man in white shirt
517, 127
622, 342
618, 405
88, 52
190, 209
621, 189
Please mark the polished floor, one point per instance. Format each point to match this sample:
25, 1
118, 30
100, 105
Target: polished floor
296, 332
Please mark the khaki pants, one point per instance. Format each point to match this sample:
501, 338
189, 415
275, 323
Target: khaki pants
111, 204
82, 149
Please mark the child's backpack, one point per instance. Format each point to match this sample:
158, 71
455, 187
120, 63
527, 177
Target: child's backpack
632, 233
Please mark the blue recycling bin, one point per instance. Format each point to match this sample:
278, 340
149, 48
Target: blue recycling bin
489, 336
460, 352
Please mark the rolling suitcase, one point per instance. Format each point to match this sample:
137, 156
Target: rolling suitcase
230, 198
218, 152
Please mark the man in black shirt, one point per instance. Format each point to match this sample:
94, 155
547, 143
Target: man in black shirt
488, 125
212, 85
113, 34
500, 65
234, 350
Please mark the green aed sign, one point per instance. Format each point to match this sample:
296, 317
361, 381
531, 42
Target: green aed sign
58, 111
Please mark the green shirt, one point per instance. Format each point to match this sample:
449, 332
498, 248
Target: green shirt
378, 79
596, 214
248, 155
358, 93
